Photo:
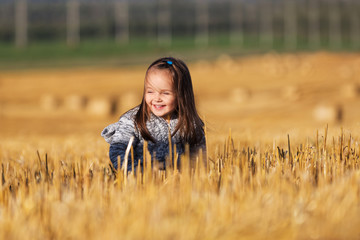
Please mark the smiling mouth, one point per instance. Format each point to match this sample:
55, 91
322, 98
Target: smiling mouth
158, 107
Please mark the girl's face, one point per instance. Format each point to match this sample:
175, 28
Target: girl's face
159, 93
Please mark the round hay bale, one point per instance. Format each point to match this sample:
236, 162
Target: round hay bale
327, 113
345, 72
350, 90
203, 65
306, 69
239, 95
126, 101
290, 93
74, 103
356, 66
271, 65
98, 106
271, 56
291, 62
226, 63
49, 102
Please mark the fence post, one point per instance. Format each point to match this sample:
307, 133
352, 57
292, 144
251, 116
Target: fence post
236, 22
164, 22
290, 24
334, 25
73, 22
121, 8
251, 24
202, 23
266, 38
21, 23
314, 27
355, 24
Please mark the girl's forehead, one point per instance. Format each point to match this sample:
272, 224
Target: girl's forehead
159, 77
155, 71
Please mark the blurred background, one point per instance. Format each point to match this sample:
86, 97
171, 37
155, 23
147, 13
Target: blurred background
261, 67
87, 28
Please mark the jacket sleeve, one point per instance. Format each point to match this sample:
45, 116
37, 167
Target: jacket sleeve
195, 149
117, 150
118, 136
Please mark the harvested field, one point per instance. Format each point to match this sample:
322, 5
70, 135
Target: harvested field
287, 169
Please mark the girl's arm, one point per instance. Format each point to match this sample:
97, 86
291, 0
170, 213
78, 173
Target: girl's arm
195, 149
118, 150
118, 136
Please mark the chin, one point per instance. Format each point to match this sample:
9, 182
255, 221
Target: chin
161, 114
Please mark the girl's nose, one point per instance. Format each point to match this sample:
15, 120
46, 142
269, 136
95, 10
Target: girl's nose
157, 97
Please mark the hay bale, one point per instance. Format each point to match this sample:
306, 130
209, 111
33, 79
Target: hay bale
99, 106
271, 65
345, 72
350, 90
291, 62
290, 93
227, 64
127, 101
74, 103
306, 69
49, 102
203, 65
328, 113
356, 66
239, 95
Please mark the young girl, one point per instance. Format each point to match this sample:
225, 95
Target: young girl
168, 105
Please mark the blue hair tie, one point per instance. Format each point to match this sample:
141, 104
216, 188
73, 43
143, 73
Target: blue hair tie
169, 62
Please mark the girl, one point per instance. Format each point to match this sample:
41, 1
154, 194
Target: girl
168, 106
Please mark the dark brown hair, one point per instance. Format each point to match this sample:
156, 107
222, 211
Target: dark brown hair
189, 124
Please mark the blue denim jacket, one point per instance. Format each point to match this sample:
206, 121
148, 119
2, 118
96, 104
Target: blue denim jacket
118, 136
